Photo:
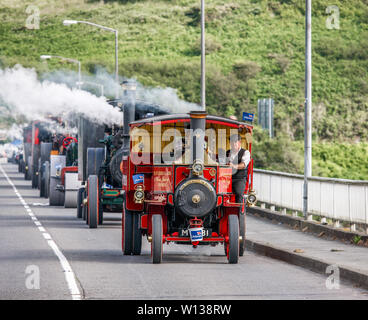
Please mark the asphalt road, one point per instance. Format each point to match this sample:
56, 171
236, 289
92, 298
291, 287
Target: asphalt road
101, 270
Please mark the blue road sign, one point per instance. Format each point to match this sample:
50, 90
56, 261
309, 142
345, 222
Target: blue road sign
248, 116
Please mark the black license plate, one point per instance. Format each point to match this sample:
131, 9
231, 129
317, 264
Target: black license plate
185, 233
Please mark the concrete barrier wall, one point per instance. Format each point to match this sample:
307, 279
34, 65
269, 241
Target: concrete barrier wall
338, 199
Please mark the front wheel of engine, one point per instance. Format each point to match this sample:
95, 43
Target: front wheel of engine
127, 231
156, 243
93, 201
137, 235
233, 245
80, 202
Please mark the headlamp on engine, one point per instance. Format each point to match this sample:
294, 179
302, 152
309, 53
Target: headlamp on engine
139, 195
197, 167
252, 198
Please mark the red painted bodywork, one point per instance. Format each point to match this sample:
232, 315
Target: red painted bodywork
67, 169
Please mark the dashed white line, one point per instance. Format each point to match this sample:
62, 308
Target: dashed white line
68, 272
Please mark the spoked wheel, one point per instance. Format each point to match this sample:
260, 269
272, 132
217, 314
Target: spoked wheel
80, 198
156, 243
127, 231
242, 233
233, 244
93, 201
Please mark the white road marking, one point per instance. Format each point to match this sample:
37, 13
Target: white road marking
46, 235
68, 272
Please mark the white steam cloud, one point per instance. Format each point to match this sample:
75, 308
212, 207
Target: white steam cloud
164, 97
24, 94
167, 98
15, 132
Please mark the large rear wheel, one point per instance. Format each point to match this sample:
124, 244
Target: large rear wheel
46, 177
39, 174
80, 202
84, 206
56, 196
233, 245
93, 201
41, 183
35, 174
156, 243
95, 158
27, 172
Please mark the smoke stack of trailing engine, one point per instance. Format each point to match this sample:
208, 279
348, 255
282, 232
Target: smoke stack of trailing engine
129, 111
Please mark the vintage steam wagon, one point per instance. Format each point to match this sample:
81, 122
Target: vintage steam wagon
63, 171
177, 184
35, 136
49, 157
103, 190
27, 147
90, 158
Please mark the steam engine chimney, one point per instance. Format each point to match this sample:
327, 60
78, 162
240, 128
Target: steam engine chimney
129, 98
198, 127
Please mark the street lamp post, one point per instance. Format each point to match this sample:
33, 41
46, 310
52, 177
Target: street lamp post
203, 57
308, 106
70, 22
47, 57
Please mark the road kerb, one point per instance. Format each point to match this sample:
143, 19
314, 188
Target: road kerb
356, 277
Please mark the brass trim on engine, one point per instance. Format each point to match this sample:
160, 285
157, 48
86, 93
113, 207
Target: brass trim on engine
252, 203
137, 199
205, 183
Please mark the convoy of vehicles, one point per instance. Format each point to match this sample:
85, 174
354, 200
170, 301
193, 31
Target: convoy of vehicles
167, 174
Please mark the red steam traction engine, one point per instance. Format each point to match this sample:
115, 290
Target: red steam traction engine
178, 185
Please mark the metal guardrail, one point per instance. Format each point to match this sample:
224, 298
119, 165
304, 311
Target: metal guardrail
336, 199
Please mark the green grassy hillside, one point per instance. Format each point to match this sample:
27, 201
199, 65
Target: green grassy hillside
255, 50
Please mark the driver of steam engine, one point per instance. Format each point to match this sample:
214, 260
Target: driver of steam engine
238, 159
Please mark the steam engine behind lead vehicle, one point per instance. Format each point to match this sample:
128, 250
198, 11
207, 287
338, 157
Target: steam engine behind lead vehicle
178, 184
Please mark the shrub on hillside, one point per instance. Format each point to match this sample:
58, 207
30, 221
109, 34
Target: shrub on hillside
281, 60
212, 14
211, 46
277, 154
245, 70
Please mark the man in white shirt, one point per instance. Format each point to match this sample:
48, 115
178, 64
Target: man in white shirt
238, 158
